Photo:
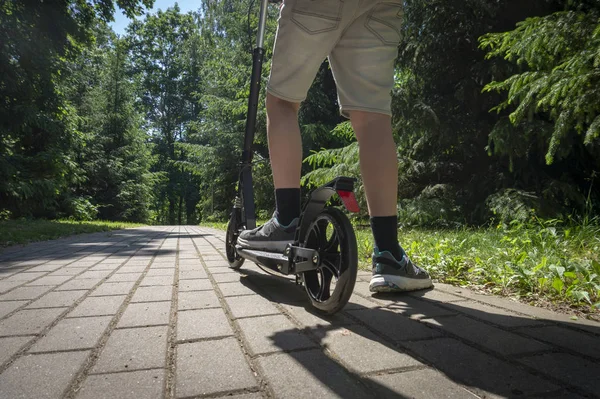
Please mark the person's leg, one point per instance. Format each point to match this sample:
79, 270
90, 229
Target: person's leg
379, 170
285, 150
392, 269
306, 33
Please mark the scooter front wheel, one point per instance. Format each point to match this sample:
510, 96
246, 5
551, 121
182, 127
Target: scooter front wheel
330, 286
235, 261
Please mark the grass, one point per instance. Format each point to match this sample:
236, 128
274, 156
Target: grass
548, 263
13, 232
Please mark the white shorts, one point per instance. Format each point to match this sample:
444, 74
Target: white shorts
360, 38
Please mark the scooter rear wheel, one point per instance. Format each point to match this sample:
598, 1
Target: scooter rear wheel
330, 286
235, 261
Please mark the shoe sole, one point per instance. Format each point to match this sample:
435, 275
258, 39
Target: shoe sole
387, 283
271, 246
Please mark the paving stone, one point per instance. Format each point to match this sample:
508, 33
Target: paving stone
435, 295
45, 268
66, 271
157, 281
250, 305
568, 369
285, 292
9, 306
132, 269
309, 374
160, 272
50, 381
143, 384
235, 289
79, 284
105, 267
100, 274
133, 349
120, 277
361, 350
145, 314
153, 294
418, 384
163, 265
98, 306
81, 333
220, 264
573, 340
49, 280
28, 322
191, 274
469, 366
195, 285
357, 302
106, 289
309, 318
273, 334
255, 395
83, 263
11, 345
393, 325
226, 277
205, 323
197, 300
24, 277
7, 286
362, 288
493, 338
208, 367
491, 314
25, 293
57, 299
414, 308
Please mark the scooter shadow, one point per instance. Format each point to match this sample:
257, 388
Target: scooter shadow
436, 345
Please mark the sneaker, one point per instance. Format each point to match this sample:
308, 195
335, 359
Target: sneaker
391, 275
271, 236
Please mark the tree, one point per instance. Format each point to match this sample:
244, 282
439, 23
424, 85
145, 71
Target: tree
37, 124
553, 102
158, 46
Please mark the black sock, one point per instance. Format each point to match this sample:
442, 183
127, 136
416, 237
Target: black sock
288, 205
385, 233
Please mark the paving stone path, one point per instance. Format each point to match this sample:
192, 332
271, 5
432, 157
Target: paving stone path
155, 312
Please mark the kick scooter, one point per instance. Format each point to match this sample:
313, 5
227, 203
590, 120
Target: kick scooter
324, 254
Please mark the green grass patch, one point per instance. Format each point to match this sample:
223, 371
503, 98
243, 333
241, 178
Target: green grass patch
14, 232
545, 262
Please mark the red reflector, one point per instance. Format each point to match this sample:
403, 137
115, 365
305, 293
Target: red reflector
349, 200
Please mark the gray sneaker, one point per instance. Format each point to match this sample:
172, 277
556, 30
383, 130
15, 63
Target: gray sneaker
271, 236
391, 275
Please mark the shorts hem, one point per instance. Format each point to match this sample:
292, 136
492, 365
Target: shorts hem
345, 108
277, 94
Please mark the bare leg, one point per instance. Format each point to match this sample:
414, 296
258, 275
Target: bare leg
285, 143
378, 161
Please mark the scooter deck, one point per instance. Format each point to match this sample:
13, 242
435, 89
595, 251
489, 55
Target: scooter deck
273, 260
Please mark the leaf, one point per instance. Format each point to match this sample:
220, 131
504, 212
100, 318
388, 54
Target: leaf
558, 285
570, 274
579, 295
559, 270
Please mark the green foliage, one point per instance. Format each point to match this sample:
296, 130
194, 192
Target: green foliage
561, 57
38, 126
537, 261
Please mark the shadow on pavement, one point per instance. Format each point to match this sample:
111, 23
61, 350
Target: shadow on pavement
486, 349
116, 243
